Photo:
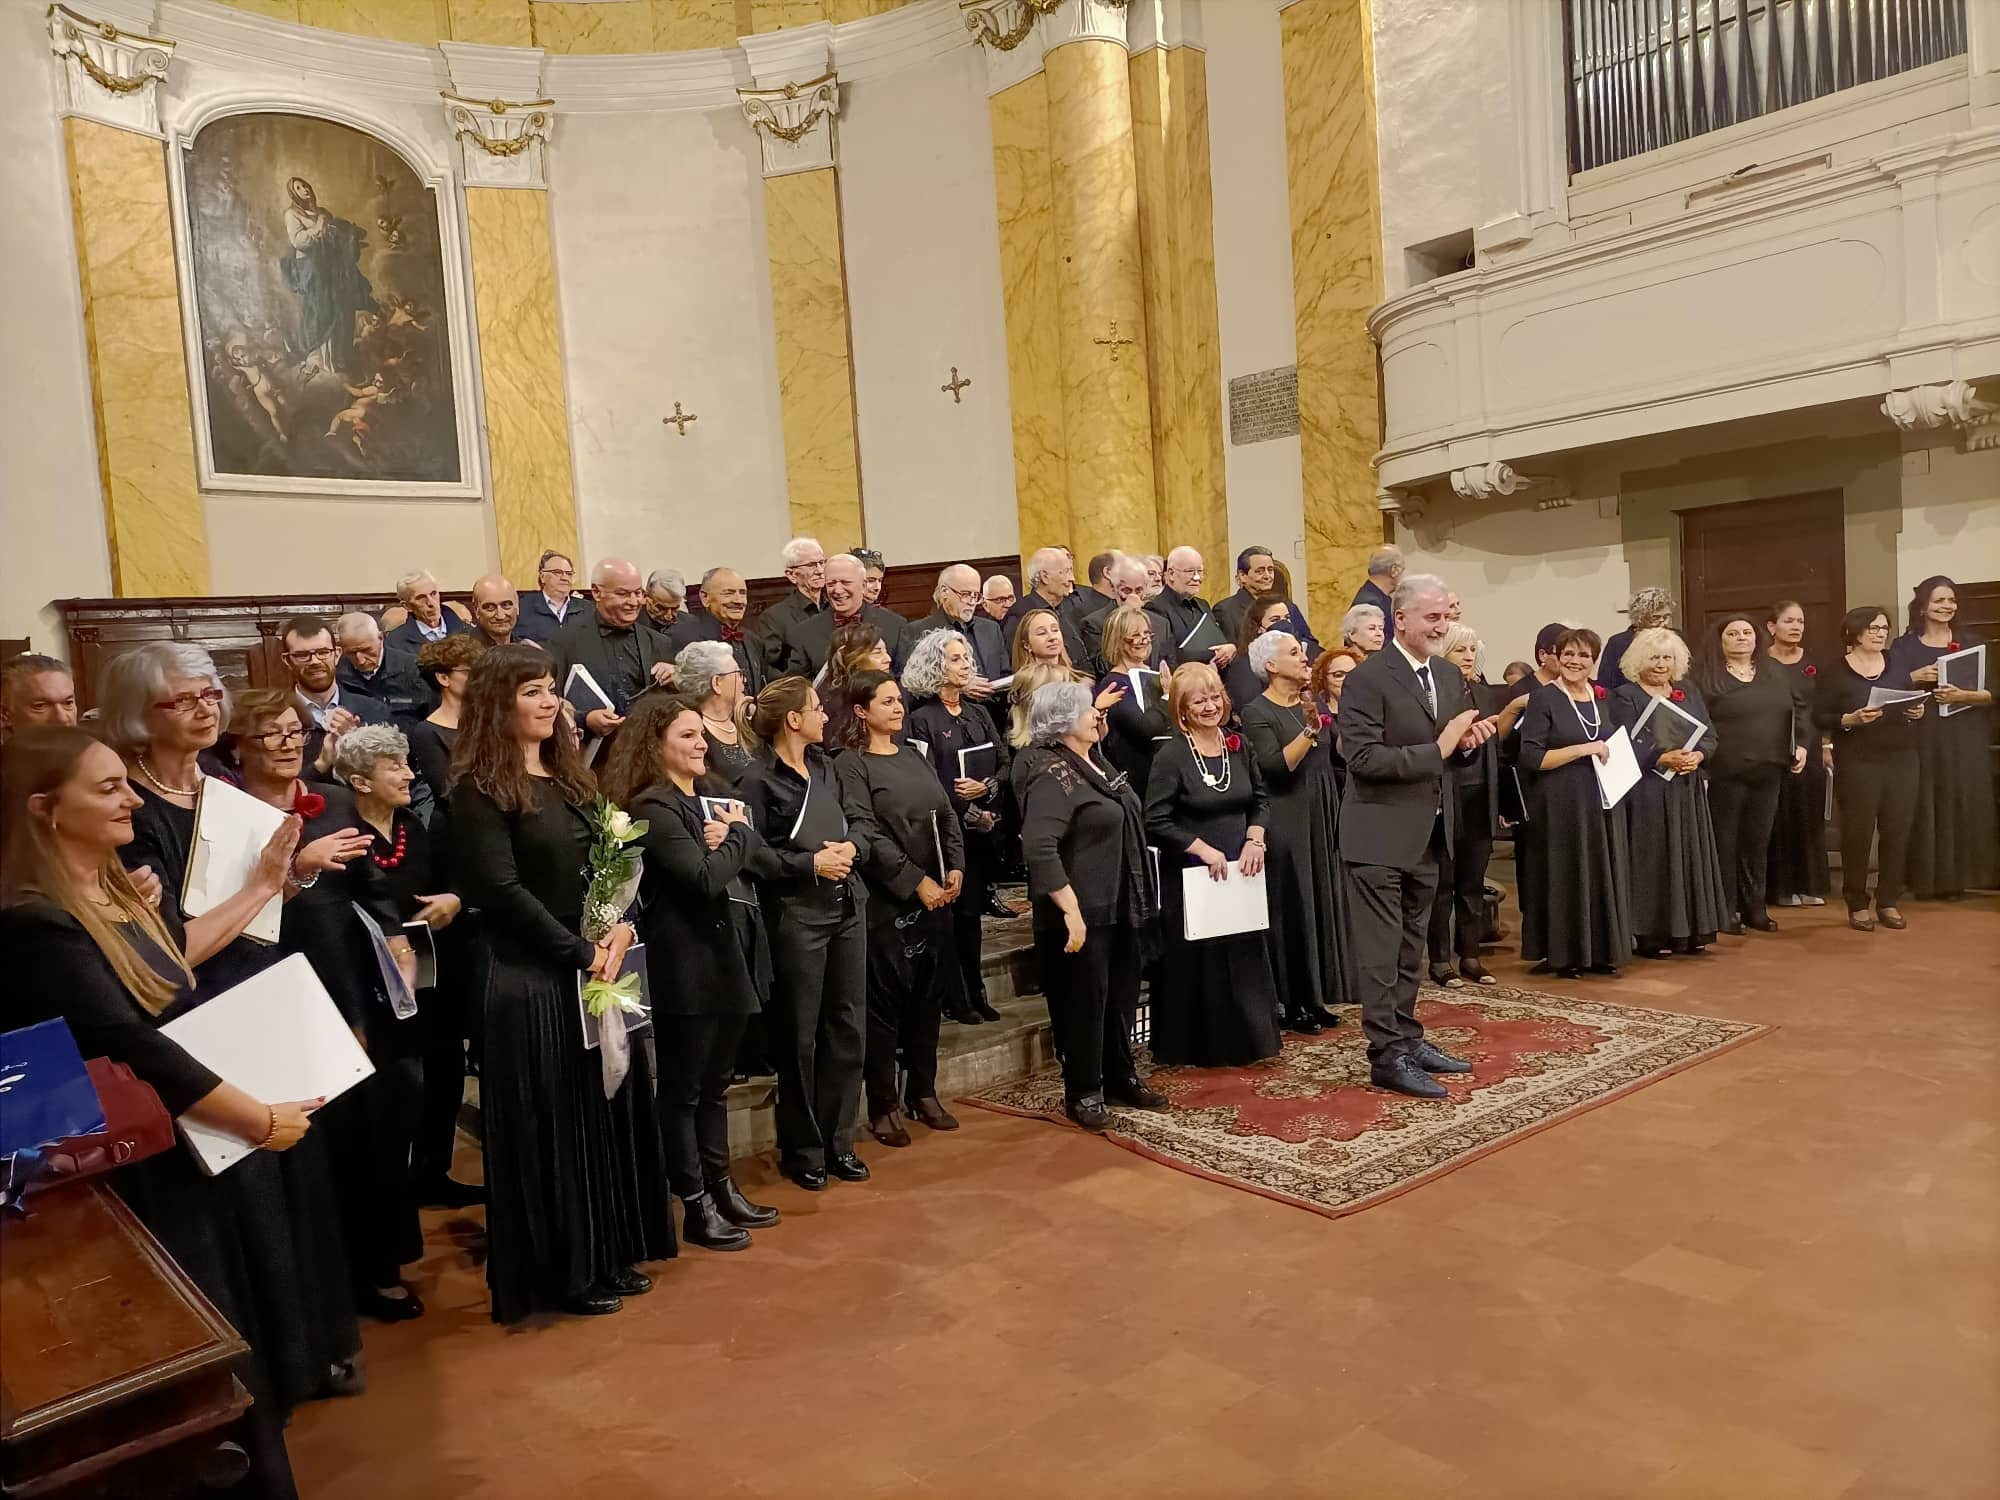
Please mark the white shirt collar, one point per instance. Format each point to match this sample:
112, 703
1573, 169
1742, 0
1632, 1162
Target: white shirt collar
1417, 664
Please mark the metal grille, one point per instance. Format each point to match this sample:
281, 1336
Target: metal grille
1646, 73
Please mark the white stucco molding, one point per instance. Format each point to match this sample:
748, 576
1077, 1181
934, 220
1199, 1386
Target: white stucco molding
1484, 481
1008, 38
1082, 21
1164, 23
496, 112
882, 46
319, 63
1926, 407
108, 73
794, 124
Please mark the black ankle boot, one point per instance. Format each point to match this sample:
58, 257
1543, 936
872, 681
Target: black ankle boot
732, 1205
702, 1224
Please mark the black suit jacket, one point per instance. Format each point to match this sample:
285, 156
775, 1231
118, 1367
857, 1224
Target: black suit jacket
1396, 787
809, 641
396, 683
1174, 616
581, 641
700, 625
984, 636
772, 631
1066, 616
698, 963
539, 623
368, 710
1229, 612
408, 639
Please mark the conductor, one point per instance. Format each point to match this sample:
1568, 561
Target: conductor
1400, 721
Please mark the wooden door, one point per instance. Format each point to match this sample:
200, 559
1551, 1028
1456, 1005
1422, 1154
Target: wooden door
1747, 557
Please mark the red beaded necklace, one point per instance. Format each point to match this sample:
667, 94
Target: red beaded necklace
395, 856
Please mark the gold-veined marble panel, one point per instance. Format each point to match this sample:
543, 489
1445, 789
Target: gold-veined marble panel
495, 23
391, 20
1336, 278
684, 25
860, 10
1107, 415
138, 367
776, 15
1020, 121
520, 357
616, 26
815, 363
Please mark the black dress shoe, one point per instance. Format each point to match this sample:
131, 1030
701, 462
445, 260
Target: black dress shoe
1431, 1060
387, 1309
1890, 918
347, 1377
592, 1304
1134, 1094
1089, 1112
983, 1011
737, 1209
1760, 923
443, 1192
1303, 1024
628, 1282
1401, 1075
847, 1167
888, 1130
1325, 1018
995, 907
933, 1114
703, 1224
1732, 928
812, 1179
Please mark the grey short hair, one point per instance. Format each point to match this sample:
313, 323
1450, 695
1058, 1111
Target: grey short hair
1264, 648
986, 587
1358, 616
406, 585
709, 576
923, 672
1055, 709
135, 680
667, 581
352, 622
699, 663
360, 750
1415, 586
1386, 559
1043, 562
795, 550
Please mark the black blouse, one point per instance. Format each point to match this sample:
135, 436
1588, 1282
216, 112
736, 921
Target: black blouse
946, 733
1073, 832
430, 754
727, 763
1842, 690
1134, 734
1628, 704
1181, 807
908, 804
527, 871
1757, 723
776, 795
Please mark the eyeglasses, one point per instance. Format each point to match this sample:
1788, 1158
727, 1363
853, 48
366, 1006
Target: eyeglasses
188, 703
558, 572
277, 739
317, 653
968, 595
808, 567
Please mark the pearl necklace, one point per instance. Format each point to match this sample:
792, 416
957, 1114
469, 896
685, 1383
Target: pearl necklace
1591, 725
175, 791
1215, 781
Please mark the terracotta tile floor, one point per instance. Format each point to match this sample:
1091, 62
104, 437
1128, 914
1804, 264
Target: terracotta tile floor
1773, 1276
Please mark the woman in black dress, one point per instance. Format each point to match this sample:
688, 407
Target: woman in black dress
1137, 724
1090, 876
82, 944
691, 897
1266, 612
1797, 873
1952, 843
1761, 739
1216, 1004
1576, 906
1329, 677
1875, 766
708, 673
1676, 884
914, 864
577, 1187
941, 721
815, 911
1293, 748
446, 666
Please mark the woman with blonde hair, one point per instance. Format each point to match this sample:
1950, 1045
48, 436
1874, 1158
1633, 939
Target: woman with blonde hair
1136, 723
1039, 642
1217, 1003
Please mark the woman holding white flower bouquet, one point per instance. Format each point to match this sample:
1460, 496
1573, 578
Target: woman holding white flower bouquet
576, 1182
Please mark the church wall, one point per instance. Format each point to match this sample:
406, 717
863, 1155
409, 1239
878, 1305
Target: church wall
1253, 275
921, 234
54, 542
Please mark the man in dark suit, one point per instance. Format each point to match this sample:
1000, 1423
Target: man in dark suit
1403, 714
372, 668
1051, 582
1385, 570
719, 617
1256, 575
325, 712
1178, 610
957, 597
429, 619
553, 603
809, 640
805, 566
1125, 581
624, 652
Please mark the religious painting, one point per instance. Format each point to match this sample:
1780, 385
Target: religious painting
321, 304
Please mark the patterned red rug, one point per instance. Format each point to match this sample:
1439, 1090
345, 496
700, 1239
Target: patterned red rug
1306, 1128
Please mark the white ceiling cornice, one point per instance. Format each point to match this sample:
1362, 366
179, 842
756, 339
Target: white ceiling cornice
217, 34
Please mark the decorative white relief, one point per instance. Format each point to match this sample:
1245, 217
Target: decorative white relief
1164, 23
1926, 407
1484, 481
1081, 21
1008, 37
108, 75
501, 143
794, 124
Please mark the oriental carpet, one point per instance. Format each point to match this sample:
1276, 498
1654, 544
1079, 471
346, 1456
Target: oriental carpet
1306, 1128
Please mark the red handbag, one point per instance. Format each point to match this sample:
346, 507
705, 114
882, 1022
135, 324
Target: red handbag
136, 1126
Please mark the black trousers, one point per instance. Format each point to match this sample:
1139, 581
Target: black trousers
1744, 805
693, 1058
911, 965
1458, 912
447, 1015
1389, 915
1093, 995
819, 995
1877, 798
982, 857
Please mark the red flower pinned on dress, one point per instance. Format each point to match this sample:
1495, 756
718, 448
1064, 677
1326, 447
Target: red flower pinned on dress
1678, 696
1597, 688
1956, 647
1811, 670
1326, 721
1233, 741
308, 804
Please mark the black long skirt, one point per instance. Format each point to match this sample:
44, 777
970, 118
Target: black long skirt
1798, 837
1308, 955
576, 1184
1952, 842
1215, 1002
1677, 899
1576, 904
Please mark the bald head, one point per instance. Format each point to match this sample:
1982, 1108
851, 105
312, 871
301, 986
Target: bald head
1052, 574
958, 592
1184, 571
846, 585
495, 608
1127, 578
620, 590
725, 595
360, 641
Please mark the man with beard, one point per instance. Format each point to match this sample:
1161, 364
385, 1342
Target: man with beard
725, 599
957, 597
310, 657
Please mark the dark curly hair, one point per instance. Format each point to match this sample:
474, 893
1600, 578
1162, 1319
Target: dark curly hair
439, 659
847, 731
635, 754
488, 753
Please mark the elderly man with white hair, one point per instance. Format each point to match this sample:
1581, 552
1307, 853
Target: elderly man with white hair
1385, 571
666, 596
805, 566
370, 666
622, 650
1184, 629
1125, 580
429, 619
1051, 579
725, 599
957, 600
996, 599
810, 640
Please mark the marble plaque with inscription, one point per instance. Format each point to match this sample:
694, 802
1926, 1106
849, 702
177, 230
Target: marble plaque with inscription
1264, 405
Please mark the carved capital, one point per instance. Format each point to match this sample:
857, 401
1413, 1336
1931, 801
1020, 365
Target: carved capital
107, 74
1082, 21
1008, 37
501, 142
1927, 407
794, 123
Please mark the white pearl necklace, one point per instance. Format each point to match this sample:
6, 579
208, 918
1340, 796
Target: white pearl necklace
1215, 781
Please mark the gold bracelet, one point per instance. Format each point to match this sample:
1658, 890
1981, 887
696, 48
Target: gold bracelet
271, 1134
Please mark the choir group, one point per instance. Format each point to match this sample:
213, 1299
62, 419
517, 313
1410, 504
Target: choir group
826, 801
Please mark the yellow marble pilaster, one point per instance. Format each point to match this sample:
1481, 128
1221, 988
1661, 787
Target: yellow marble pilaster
391, 20
276, 10
1184, 342
616, 26
138, 368
683, 25
494, 23
1336, 278
815, 359
1107, 415
1020, 120
776, 15
521, 363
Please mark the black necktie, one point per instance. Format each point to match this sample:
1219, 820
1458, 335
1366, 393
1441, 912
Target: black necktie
1430, 693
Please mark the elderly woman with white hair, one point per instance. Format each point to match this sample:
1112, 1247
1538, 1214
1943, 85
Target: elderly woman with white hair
1677, 893
1362, 631
1293, 748
710, 674
1083, 837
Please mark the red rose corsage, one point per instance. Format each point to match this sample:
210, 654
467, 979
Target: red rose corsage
1811, 670
1678, 696
1956, 647
1597, 688
308, 804
1326, 721
1233, 741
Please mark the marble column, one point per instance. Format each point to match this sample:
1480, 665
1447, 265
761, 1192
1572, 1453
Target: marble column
1169, 74
153, 515
530, 478
793, 110
1333, 179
